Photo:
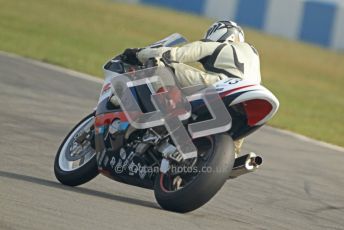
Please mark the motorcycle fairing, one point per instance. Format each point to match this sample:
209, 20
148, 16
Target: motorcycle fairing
249, 104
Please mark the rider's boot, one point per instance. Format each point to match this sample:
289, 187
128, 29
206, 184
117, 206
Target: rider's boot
238, 146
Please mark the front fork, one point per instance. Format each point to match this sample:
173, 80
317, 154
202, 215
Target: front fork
87, 133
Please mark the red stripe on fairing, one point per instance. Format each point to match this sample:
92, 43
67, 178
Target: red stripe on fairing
106, 87
107, 118
223, 94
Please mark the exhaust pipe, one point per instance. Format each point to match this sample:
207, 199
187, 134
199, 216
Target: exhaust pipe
245, 164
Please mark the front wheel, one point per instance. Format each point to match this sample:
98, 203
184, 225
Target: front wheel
189, 191
75, 161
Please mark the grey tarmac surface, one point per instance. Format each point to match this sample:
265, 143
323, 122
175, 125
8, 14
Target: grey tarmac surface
300, 186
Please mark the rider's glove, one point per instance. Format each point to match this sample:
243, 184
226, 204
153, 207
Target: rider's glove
130, 56
154, 62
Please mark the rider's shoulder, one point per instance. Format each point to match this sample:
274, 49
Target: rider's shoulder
253, 48
244, 46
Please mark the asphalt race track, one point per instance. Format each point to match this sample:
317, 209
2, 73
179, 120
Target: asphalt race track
300, 186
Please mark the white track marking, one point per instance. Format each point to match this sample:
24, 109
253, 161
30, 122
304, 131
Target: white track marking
87, 77
307, 139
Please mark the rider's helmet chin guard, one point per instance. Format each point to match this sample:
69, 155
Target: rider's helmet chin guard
223, 31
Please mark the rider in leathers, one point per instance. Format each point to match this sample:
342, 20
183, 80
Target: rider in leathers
223, 54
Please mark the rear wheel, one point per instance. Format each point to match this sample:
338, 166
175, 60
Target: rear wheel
75, 161
188, 191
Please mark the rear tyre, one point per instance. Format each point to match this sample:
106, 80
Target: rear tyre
205, 184
75, 165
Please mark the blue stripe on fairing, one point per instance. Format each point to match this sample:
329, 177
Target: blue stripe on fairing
252, 13
123, 126
101, 129
317, 23
193, 6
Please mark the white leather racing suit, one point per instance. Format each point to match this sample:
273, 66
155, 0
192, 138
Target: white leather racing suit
220, 60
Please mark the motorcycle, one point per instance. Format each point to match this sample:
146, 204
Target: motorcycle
107, 141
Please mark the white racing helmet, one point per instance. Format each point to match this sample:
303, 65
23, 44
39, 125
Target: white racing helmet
223, 31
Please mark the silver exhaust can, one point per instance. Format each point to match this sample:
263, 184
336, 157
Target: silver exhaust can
245, 164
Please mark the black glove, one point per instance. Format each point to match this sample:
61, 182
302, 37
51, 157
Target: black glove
152, 62
129, 56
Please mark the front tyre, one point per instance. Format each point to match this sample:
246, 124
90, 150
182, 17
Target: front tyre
75, 161
215, 162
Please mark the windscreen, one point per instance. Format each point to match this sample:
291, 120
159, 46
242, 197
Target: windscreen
172, 40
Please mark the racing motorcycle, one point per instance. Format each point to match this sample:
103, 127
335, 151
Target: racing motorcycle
107, 141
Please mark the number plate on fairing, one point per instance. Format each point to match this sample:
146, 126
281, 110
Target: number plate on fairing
234, 85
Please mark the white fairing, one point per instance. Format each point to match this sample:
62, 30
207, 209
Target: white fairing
250, 91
